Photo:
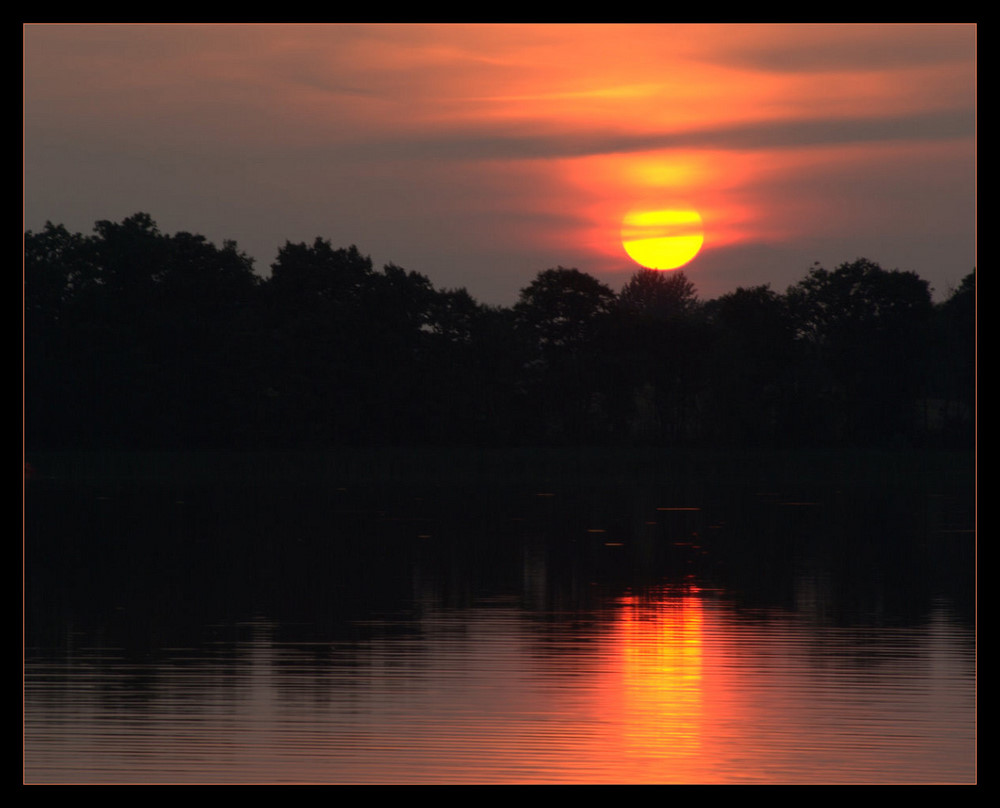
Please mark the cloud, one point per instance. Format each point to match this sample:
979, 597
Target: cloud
490, 145
858, 48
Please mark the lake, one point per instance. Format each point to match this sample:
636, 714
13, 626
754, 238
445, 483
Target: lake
532, 628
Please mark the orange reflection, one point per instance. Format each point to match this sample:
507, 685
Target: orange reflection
663, 688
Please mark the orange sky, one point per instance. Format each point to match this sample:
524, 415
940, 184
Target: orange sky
480, 155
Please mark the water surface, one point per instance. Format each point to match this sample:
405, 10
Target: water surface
638, 635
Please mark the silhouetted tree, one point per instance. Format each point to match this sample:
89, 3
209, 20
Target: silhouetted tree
141, 320
349, 349
753, 368
473, 369
139, 339
659, 349
867, 329
950, 408
307, 274
55, 270
315, 368
657, 294
855, 301
563, 308
562, 315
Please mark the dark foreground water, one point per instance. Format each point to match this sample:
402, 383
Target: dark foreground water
450, 633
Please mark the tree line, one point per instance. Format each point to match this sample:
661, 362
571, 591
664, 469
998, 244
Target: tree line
138, 339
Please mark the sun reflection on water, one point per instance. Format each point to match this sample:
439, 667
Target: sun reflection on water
662, 681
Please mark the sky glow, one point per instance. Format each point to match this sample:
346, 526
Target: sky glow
480, 155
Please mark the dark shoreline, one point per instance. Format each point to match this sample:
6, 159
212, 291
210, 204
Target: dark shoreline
565, 466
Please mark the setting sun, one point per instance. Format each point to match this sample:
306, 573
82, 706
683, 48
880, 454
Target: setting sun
662, 239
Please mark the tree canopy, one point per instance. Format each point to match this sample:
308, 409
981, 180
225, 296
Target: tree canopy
135, 338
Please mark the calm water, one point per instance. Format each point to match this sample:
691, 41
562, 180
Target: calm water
528, 636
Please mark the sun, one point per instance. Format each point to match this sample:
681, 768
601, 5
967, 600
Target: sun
662, 239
